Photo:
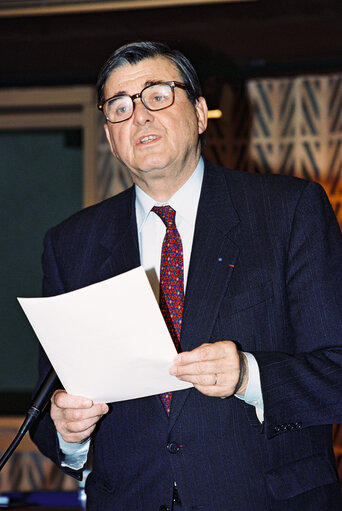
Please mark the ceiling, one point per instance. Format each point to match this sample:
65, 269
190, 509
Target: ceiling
263, 37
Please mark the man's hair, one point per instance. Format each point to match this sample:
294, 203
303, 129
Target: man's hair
133, 53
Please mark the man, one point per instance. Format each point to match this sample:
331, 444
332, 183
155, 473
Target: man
260, 326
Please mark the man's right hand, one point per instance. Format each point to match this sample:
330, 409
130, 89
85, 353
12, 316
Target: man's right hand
75, 417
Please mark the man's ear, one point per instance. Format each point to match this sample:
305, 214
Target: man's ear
202, 114
109, 138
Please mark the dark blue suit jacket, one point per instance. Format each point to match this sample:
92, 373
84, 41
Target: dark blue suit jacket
265, 271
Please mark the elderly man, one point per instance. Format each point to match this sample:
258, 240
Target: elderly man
250, 270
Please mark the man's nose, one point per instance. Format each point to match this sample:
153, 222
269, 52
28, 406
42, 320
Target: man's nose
141, 114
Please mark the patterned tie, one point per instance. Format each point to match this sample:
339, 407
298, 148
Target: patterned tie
171, 297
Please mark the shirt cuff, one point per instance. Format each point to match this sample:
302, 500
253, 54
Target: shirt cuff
73, 455
253, 394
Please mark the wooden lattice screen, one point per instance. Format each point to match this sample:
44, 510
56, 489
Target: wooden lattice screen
287, 126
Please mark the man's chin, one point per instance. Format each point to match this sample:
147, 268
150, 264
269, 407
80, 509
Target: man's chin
154, 167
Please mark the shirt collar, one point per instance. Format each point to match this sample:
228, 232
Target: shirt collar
184, 201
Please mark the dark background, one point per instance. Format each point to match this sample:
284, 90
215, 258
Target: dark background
261, 38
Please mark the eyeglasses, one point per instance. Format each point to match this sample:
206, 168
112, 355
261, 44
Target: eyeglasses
154, 97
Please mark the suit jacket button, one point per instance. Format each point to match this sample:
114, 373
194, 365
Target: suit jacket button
298, 425
173, 447
283, 427
276, 429
164, 508
292, 426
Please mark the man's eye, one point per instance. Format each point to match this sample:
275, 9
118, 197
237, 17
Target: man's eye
118, 107
158, 98
119, 110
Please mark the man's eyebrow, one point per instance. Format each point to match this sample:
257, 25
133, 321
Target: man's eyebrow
119, 93
146, 84
152, 82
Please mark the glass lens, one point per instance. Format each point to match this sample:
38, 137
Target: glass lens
118, 109
157, 97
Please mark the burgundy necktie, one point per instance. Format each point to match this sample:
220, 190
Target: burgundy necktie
171, 297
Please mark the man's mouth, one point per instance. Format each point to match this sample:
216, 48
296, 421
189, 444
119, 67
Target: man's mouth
147, 139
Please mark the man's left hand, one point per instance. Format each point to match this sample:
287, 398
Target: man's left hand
213, 369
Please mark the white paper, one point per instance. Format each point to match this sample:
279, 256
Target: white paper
107, 341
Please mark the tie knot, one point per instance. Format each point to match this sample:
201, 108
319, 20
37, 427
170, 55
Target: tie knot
167, 214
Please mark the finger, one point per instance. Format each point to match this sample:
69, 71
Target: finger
207, 367
78, 437
227, 360
200, 379
81, 426
81, 414
212, 390
222, 380
195, 355
64, 400
76, 431
206, 351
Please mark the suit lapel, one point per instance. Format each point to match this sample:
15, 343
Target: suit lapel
213, 258
120, 240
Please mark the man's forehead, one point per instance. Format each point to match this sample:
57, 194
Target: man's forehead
148, 70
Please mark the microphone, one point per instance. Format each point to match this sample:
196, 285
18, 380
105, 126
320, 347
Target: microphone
38, 404
44, 394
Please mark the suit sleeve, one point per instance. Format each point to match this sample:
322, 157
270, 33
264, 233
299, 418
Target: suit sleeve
305, 388
44, 433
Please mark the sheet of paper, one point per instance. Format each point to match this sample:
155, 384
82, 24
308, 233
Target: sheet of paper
107, 341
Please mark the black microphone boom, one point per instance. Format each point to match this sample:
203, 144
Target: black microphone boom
38, 404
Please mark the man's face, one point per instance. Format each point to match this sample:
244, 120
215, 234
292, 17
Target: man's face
156, 145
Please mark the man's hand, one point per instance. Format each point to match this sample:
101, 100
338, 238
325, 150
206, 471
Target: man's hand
75, 417
213, 369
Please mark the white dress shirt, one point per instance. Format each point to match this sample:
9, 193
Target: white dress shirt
151, 228
151, 232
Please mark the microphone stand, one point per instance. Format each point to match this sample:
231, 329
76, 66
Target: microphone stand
37, 406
